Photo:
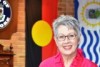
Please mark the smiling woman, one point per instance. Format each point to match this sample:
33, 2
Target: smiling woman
67, 37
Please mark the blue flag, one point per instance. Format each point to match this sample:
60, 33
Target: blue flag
88, 14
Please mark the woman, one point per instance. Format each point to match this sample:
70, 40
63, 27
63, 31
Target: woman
67, 37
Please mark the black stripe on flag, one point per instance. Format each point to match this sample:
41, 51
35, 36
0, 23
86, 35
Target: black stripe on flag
33, 12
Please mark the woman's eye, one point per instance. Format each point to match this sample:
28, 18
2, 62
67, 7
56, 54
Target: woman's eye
71, 35
61, 36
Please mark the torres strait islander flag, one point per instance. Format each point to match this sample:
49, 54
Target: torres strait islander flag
88, 14
39, 37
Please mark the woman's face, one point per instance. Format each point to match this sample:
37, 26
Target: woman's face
66, 40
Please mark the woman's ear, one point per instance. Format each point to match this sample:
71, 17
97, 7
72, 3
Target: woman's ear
54, 38
79, 38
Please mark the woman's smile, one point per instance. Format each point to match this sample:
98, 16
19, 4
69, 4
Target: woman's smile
67, 47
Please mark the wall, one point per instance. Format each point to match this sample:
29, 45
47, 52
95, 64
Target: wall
66, 7
18, 38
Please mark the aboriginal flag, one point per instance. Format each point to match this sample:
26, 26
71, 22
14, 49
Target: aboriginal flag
38, 10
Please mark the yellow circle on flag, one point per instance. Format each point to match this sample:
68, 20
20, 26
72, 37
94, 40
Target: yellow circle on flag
41, 33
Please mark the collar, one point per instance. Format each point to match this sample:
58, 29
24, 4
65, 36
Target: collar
76, 61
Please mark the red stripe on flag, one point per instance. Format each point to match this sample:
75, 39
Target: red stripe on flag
49, 13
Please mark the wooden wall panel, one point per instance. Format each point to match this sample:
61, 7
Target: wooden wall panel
7, 32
